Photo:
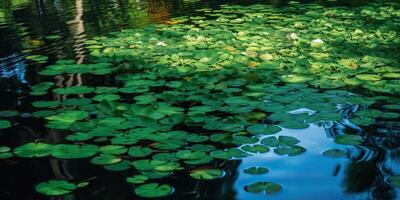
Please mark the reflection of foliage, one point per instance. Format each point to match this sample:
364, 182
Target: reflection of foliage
361, 176
372, 162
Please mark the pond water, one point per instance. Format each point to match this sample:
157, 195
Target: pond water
190, 99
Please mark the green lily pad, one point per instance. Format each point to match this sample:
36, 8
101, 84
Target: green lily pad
256, 170
6, 155
195, 138
137, 179
32, 150
348, 139
270, 141
228, 154
257, 148
369, 77
290, 150
264, 187
41, 87
362, 121
58, 187
335, 153
108, 97
256, 128
199, 161
5, 124
105, 159
37, 58
190, 155
156, 165
156, 174
153, 190
113, 149
79, 136
74, 151
8, 113
74, 90
65, 119
139, 152
120, 166
392, 106
44, 104
165, 156
287, 140
5, 152
207, 174
70, 116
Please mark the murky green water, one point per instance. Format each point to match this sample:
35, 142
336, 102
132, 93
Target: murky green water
199, 100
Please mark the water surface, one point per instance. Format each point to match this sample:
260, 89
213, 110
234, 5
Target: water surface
66, 29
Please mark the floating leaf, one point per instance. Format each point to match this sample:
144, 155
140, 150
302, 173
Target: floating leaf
120, 166
369, 77
207, 174
105, 159
348, 139
153, 190
255, 148
58, 187
264, 187
335, 153
31, 150
256, 170
44, 104
113, 149
362, 121
74, 90
287, 140
270, 142
5, 124
157, 165
137, 179
190, 155
138, 151
290, 150
8, 113
74, 151
37, 58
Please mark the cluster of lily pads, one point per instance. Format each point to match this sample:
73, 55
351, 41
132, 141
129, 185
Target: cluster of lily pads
325, 47
217, 87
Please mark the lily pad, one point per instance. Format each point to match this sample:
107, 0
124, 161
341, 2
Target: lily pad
58, 187
290, 150
335, 153
207, 174
153, 190
137, 179
74, 151
156, 165
348, 139
138, 151
74, 90
256, 170
105, 159
264, 187
32, 150
5, 124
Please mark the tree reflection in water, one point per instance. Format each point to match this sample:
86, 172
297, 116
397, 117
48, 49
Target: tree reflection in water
374, 160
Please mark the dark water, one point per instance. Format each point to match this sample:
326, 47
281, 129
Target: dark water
24, 26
